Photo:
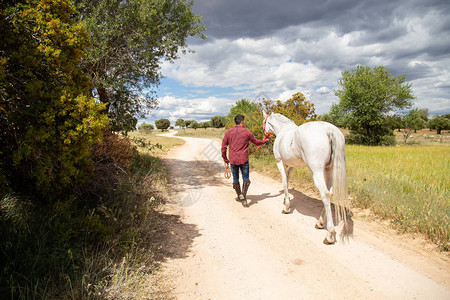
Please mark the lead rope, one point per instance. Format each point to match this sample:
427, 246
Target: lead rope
227, 173
266, 135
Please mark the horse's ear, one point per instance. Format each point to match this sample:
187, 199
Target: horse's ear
271, 114
264, 114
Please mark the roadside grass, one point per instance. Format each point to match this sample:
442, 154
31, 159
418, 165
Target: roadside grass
406, 184
69, 251
73, 249
124, 267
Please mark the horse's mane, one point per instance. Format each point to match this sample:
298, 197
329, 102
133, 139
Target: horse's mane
283, 120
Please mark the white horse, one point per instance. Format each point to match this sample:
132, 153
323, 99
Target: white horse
320, 147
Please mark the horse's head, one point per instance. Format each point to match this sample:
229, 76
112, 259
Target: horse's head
267, 127
274, 122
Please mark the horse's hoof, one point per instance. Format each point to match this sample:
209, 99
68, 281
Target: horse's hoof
330, 239
326, 241
319, 226
244, 203
285, 211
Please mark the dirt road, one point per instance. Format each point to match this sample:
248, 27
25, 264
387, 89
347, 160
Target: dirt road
222, 250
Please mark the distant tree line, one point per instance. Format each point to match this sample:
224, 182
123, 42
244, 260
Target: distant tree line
164, 124
372, 104
406, 122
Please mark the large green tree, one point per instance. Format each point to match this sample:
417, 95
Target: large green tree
218, 121
252, 113
194, 124
129, 41
162, 124
244, 107
48, 120
367, 95
180, 123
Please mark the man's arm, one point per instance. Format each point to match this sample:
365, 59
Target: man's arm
224, 148
255, 140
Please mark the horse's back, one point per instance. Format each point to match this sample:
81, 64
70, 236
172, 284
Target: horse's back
325, 129
309, 143
316, 133
315, 141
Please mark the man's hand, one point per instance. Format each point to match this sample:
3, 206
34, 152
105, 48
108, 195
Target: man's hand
266, 141
226, 161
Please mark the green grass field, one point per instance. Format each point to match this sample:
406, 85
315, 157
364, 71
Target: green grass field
407, 184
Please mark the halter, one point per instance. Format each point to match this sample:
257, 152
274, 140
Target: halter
266, 134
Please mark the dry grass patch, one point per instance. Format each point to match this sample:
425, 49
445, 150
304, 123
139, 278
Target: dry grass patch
151, 142
203, 133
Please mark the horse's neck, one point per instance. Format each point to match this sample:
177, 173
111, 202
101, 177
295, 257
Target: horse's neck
281, 125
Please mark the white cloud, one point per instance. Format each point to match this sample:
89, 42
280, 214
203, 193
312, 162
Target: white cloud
200, 109
323, 90
310, 58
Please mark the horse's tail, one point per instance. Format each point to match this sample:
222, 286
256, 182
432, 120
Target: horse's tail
339, 191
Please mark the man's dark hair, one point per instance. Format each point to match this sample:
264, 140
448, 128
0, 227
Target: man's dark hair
238, 119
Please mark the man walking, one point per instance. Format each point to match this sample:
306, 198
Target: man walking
237, 139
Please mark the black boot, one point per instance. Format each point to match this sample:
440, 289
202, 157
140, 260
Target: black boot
237, 188
245, 186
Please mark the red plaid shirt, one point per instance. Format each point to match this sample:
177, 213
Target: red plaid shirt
237, 138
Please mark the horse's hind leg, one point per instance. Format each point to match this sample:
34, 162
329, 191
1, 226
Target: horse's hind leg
320, 222
286, 201
329, 179
329, 183
319, 181
289, 171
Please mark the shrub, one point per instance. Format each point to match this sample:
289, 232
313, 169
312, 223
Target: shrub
362, 139
111, 160
146, 127
48, 119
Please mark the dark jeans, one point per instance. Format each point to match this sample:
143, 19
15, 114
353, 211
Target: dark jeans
245, 169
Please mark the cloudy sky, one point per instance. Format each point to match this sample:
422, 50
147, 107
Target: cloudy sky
275, 48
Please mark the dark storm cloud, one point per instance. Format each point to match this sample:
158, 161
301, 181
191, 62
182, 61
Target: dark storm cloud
235, 18
239, 18
379, 21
